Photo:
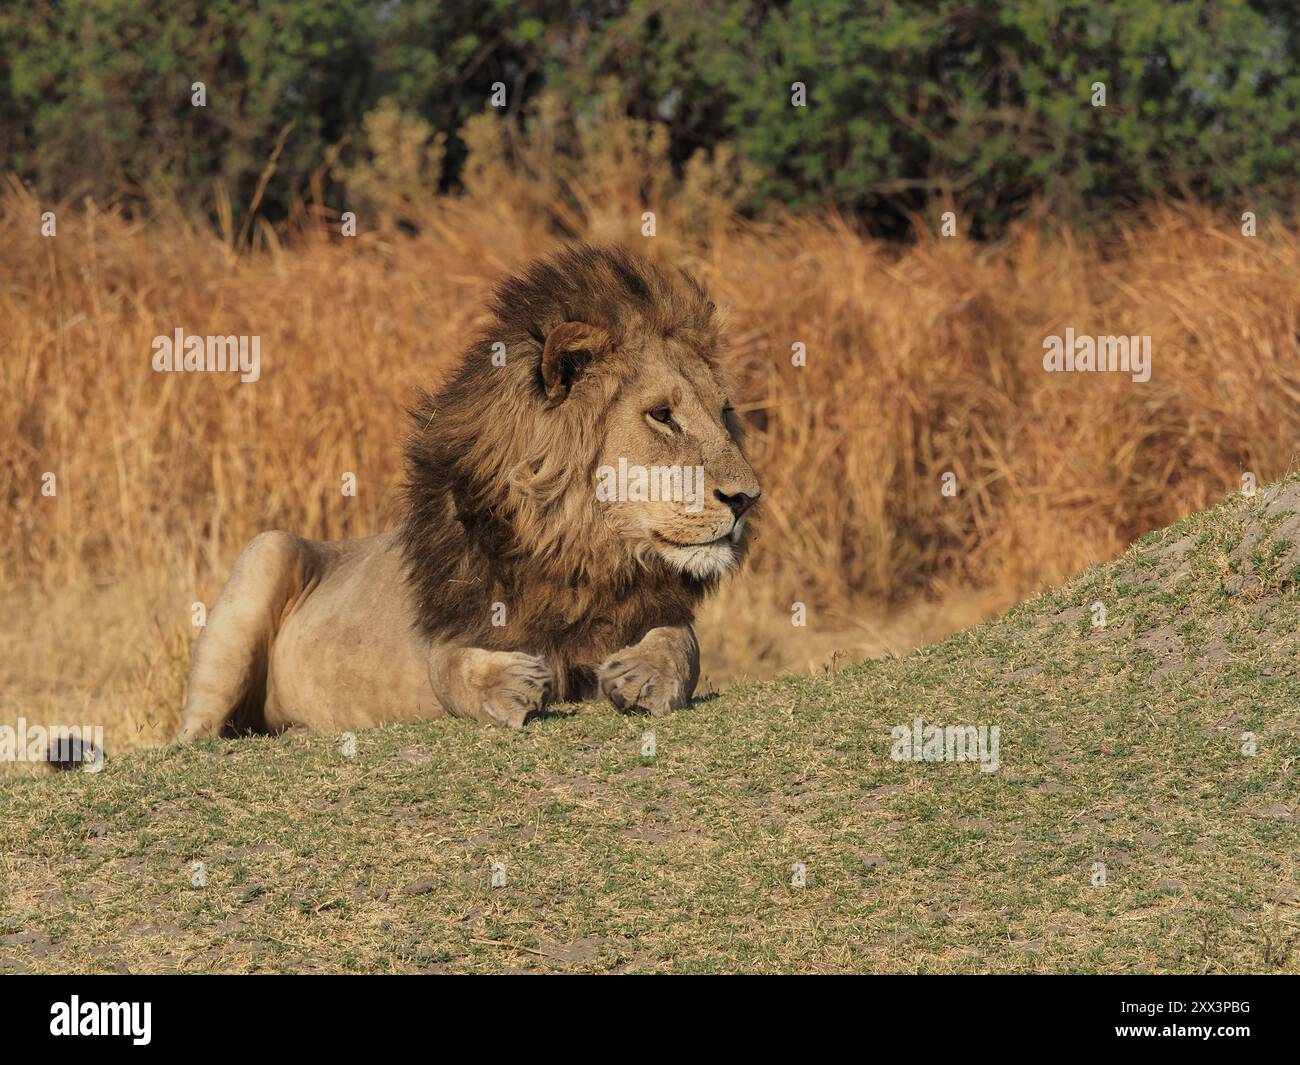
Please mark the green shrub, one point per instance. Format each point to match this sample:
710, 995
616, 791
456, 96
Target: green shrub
912, 107
987, 103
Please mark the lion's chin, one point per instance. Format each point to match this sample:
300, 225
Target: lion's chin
704, 562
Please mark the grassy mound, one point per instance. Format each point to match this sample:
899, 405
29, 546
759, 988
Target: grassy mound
1127, 826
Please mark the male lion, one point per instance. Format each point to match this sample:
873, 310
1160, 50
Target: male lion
513, 578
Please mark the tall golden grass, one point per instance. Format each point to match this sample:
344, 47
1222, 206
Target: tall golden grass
922, 360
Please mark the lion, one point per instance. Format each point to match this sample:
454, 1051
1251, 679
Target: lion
573, 491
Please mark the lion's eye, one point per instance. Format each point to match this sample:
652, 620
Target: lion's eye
663, 415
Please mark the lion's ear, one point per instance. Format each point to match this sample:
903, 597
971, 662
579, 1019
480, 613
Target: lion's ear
568, 350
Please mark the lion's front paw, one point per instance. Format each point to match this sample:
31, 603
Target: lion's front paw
632, 682
509, 686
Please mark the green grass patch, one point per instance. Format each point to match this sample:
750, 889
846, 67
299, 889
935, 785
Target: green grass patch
1143, 816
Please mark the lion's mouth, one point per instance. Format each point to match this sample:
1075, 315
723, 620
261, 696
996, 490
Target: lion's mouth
698, 543
728, 538
702, 559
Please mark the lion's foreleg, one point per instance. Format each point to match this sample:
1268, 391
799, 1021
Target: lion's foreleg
657, 674
498, 687
231, 655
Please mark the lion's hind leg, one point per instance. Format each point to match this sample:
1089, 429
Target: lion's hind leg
228, 671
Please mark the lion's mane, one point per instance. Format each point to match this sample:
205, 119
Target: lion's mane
500, 501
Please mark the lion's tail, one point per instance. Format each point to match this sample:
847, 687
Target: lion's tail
70, 752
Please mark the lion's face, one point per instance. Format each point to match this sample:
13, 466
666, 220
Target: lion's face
599, 457
671, 477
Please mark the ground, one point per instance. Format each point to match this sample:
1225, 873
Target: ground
1143, 816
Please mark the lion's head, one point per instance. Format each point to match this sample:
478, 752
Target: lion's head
585, 452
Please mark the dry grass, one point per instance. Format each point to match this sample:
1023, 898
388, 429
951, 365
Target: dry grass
920, 361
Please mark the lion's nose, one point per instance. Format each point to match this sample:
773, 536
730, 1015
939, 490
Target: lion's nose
739, 502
